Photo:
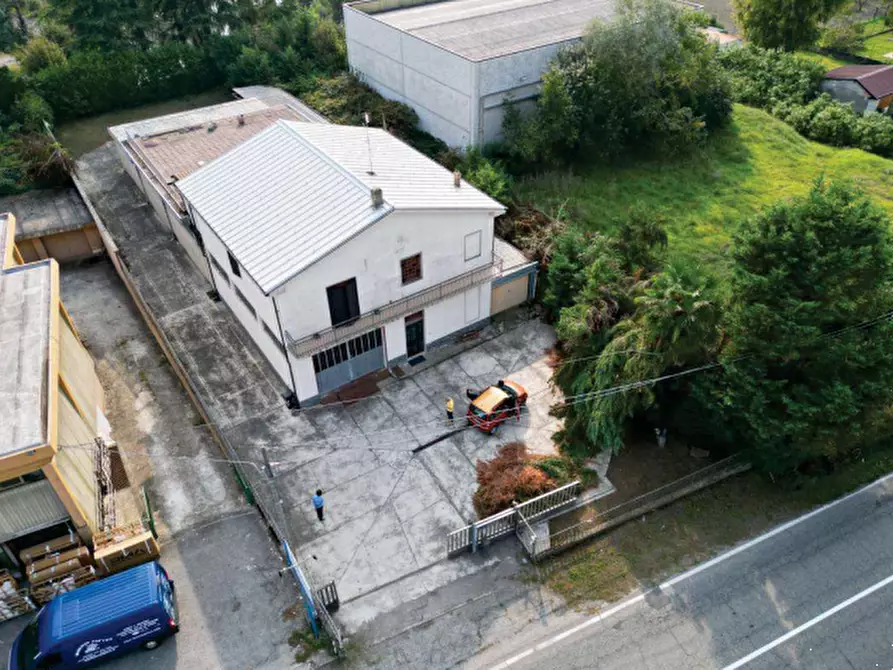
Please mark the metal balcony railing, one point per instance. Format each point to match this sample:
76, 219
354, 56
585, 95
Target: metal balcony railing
329, 337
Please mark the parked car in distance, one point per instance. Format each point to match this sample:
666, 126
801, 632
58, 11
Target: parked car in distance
99, 621
491, 407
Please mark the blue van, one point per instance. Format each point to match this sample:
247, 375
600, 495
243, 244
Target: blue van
101, 620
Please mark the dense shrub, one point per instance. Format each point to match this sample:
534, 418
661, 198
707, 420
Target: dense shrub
345, 99
39, 53
610, 95
845, 34
788, 86
874, 133
32, 111
92, 82
765, 78
510, 476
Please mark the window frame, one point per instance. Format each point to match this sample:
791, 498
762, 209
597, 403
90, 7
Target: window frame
351, 301
244, 300
414, 259
233, 263
219, 268
480, 245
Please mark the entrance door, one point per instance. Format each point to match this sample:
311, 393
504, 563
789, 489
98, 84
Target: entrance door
415, 334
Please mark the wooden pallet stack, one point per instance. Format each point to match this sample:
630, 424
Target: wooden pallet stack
13, 600
124, 547
57, 566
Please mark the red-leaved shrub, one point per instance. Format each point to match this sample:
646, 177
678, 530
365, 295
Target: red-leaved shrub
508, 476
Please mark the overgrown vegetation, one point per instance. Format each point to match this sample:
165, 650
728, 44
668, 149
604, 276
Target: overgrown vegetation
807, 372
513, 476
627, 309
788, 86
611, 95
784, 25
95, 56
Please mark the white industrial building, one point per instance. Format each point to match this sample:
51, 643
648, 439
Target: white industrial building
457, 62
342, 250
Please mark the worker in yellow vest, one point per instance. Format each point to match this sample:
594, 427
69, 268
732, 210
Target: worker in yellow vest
449, 409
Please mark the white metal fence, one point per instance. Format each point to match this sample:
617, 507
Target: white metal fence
504, 523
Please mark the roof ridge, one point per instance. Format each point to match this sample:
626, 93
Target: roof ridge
319, 151
880, 67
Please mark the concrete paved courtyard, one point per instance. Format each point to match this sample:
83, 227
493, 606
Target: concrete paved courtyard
388, 511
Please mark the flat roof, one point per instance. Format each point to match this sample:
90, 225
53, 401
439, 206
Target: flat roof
25, 304
483, 29
176, 154
171, 147
45, 212
512, 257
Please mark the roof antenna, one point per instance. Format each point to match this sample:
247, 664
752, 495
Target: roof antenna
371, 171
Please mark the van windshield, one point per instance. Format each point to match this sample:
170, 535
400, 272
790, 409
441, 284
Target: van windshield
28, 647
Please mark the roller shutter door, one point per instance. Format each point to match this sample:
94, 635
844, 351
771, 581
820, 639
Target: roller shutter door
349, 360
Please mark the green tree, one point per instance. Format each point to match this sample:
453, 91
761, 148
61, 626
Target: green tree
640, 239
674, 326
611, 95
799, 381
784, 25
106, 24
38, 54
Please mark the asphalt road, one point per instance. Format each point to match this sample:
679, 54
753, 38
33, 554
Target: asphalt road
815, 593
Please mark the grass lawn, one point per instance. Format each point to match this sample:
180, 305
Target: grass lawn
829, 62
747, 167
643, 552
878, 46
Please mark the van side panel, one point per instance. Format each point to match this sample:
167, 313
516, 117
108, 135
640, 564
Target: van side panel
121, 637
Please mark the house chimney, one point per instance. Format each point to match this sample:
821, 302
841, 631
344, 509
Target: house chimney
457, 178
377, 198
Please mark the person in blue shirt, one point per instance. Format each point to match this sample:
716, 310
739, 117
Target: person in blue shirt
318, 503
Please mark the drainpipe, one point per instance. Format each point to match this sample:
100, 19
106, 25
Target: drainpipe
291, 373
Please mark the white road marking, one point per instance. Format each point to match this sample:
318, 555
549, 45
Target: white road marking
690, 573
570, 631
809, 624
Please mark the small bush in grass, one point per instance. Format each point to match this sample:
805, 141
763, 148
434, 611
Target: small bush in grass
874, 133
509, 476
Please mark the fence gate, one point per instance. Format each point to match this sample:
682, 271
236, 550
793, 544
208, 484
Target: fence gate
506, 523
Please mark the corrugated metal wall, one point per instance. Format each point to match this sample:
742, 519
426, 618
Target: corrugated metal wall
28, 508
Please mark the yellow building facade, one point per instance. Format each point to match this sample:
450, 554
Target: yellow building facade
52, 409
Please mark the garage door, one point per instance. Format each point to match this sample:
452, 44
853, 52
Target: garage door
349, 360
508, 295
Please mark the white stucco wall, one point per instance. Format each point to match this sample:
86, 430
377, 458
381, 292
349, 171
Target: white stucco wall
373, 258
263, 305
437, 84
163, 209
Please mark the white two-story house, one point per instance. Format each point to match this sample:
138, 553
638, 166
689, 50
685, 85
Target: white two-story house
342, 250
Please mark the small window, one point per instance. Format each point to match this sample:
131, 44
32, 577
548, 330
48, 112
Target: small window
411, 269
234, 264
273, 336
219, 268
245, 302
472, 245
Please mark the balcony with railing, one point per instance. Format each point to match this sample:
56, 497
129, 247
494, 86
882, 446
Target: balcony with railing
396, 309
